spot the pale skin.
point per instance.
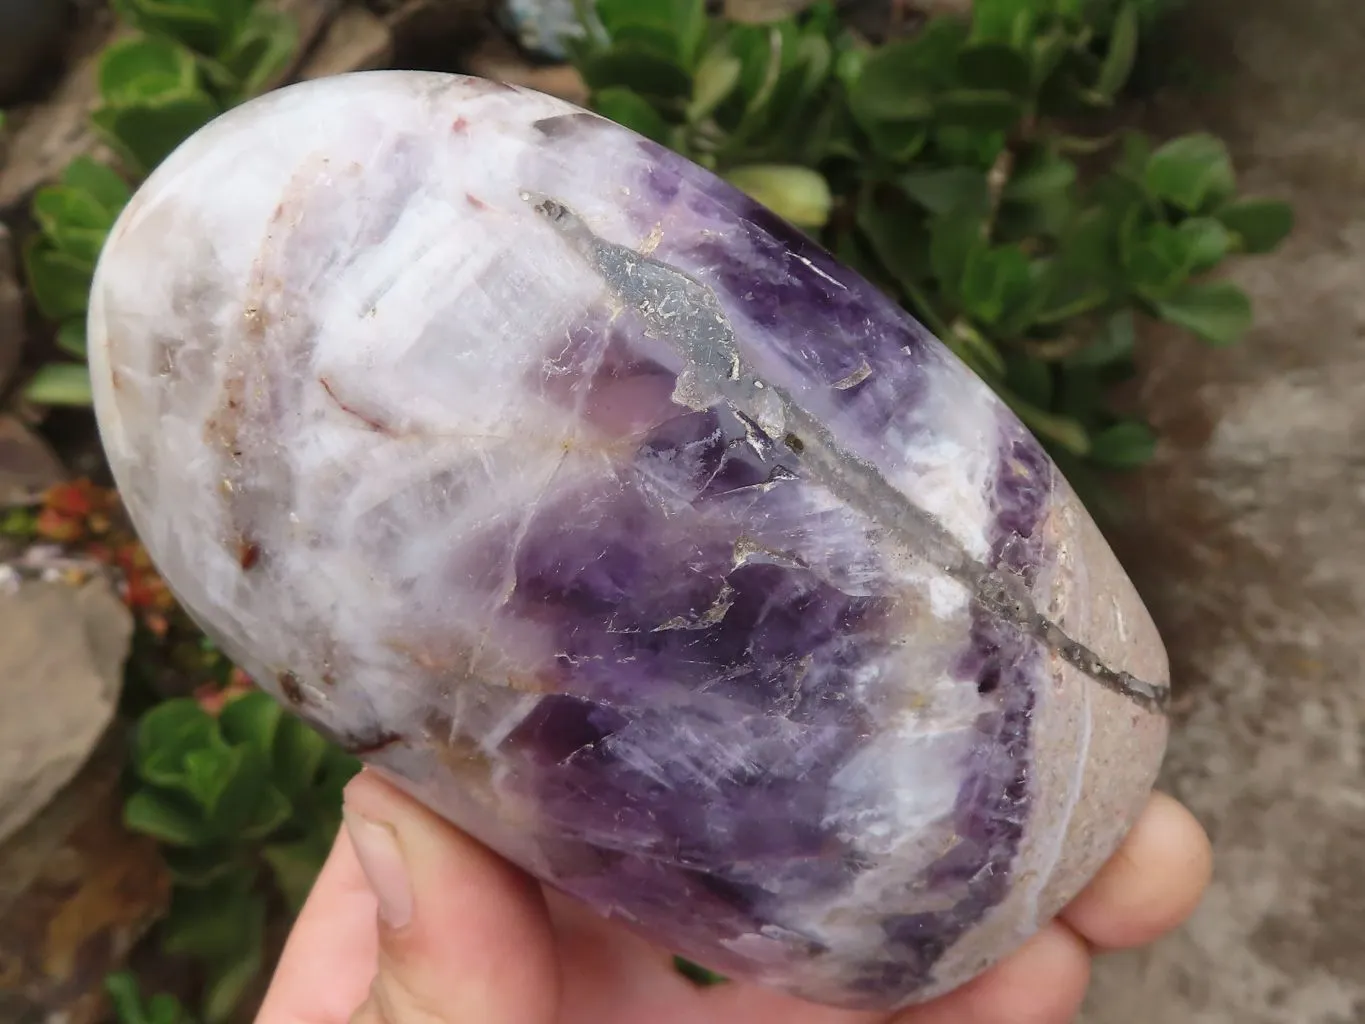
(413, 922)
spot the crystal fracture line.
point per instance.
(684, 313)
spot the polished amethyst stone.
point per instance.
(616, 521)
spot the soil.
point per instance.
(1249, 542)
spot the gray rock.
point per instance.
(27, 465)
(1251, 550)
(61, 664)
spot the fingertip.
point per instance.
(1042, 982)
(325, 969)
(467, 935)
(1151, 885)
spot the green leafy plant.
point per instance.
(193, 60)
(190, 61)
(73, 217)
(960, 169)
(152, 97)
(125, 994)
(245, 805)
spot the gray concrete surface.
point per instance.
(1251, 549)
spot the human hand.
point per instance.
(445, 932)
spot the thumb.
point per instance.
(463, 936)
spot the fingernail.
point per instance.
(376, 847)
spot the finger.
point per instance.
(1042, 982)
(1151, 885)
(463, 936)
(326, 967)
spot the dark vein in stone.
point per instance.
(685, 313)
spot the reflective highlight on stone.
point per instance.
(625, 528)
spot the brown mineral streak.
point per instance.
(455, 667)
(260, 313)
(373, 424)
(358, 746)
(290, 687)
(248, 554)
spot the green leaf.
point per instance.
(139, 70)
(1112, 344)
(125, 995)
(59, 281)
(229, 981)
(633, 111)
(816, 57)
(1123, 45)
(299, 753)
(639, 70)
(798, 194)
(948, 190)
(659, 41)
(953, 240)
(295, 865)
(715, 79)
(976, 350)
(100, 183)
(1192, 173)
(338, 768)
(1218, 311)
(164, 1008)
(995, 67)
(204, 865)
(1005, 21)
(681, 22)
(214, 923)
(974, 147)
(1156, 255)
(1067, 433)
(60, 384)
(205, 27)
(73, 220)
(271, 812)
(981, 109)
(896, 142)
(209, 773)
(261, 53)
(58, 208)
(1125, 445)
(158, 815)
(994, 282)
(145, 135)
(71, 337)
(1068, 295)
(166, 733)
(1046, 52)
(897, 81)
(1260, 224)
(253, 717)
(1039, 177)
(1208, 242)
(897, 232)
(1029, 378)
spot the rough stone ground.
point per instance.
(1251, 550)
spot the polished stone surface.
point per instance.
(624, 527)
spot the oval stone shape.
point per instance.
(617, 522)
